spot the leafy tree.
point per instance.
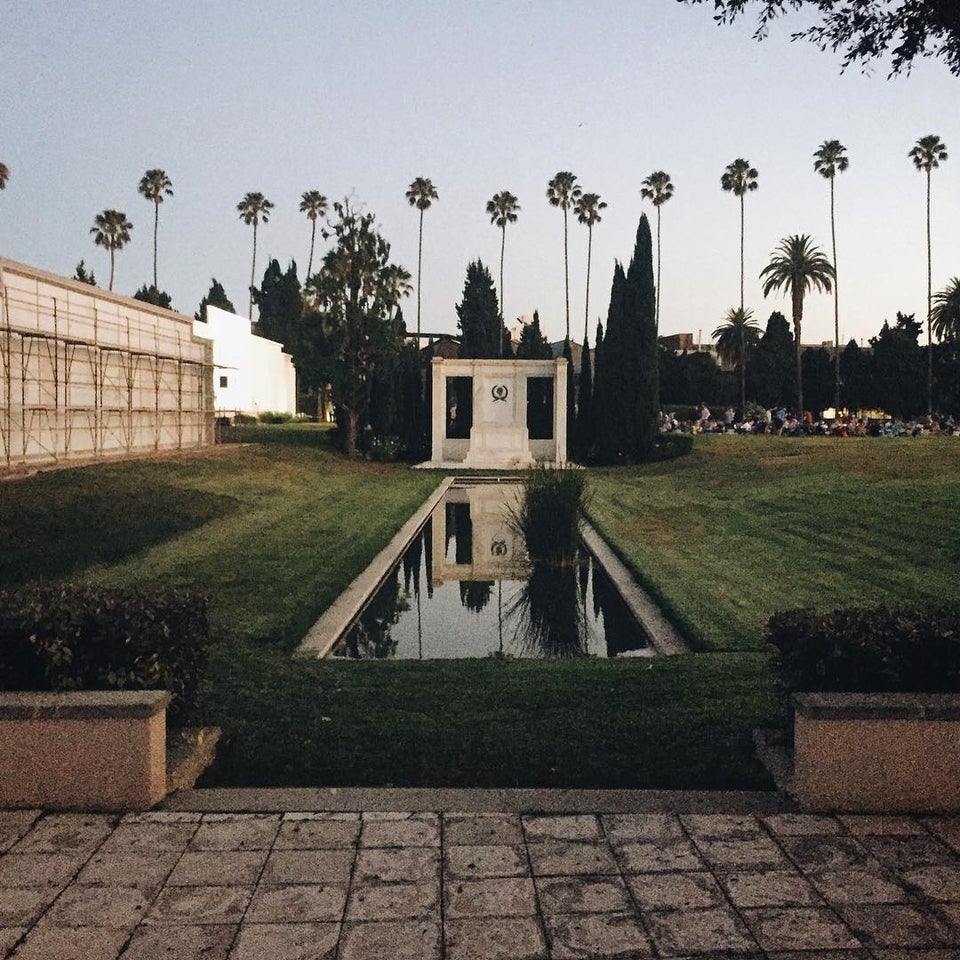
(866, 29)
(4, 176)
(150, 294)
(563, 191)
(829, 160)
(770, 365)
(896, 382)
(314, 204)
(946, 312)
(796, 265)
(80, 273)
(253, 209)
(739, 179)
(216, 297)
(502, 208)
(479, 318)
(154, 185)
(818, 381)
(280, 306)
(533, 344)
(421, 195)
(658, 188)
(111, 229)
(733, 336)
(927, 154)
(855, 377)
(587, 207)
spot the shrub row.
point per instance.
(87, 638)
(879, 649)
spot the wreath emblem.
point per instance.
(499, 392)
(498, 547)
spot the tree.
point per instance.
(927, 154)
(587, 207)
(159, 298)
(563, 191)
(280, 306)
(216, 297)
(111, 229)
(657, 188)
(586, 426)
(253, 209)
(817, 379)
(533, 344)
(4, 176)
(739, 179)
(80, 273)
(479, 317)
(154, 185)
(866, 29)
(421, 195)
(829, 160)
(502, 208)
(797, 266)
(733, 337)
(771, 372)
(896, 382)
(855, 373)
(314, 204)
(946, 312)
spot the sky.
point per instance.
(358, 99)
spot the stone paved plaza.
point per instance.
(477, 886)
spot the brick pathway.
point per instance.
(424, 886)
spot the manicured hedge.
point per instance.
(877, 650)
(87, 638)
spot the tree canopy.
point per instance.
(479, 317)
(216, 297)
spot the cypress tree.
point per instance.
(585, 426)
(479, 316)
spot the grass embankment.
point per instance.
(743, 527)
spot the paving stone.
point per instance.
(39, 869)
(818, 955)
(308, 866)
(405, 864)
(812, 853)
(98, 907)
(412, 830)
(623, 828)
(494, 897)
(583, 894)
(209, 942)
(947, 829)
(472, 862)
(908, 853)
(716, 826)
(872, 824)
(770, 888)
(146, 870)
(72, 943)
(229, 832)
(63, 833)
(22, 906)
(504, 938)
(210, 868)
(755, 852)
(916, 953)
(481, 829)
(699, 931)
(560, 858)
(320, 832)
(14, 824)
(675, 891)
(162, 816)
(858, 886)
(798, 928)
(934, 882)
(396, 939)
(801, 824)
(150, 836)
(598, 936)
(668, 856)
(188, 906)
(541, 827)
(9, 936)
(310, 903)
(895, 925)
(393, 901)
(286, 941)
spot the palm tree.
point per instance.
(111, 229)
(587, 208)
(4, 176)
(829, 160)
(739, 178)
(738, 330)
(253, 208)
(796, 265)
(946, 311)
(927, 154)
(314, 204)
(563, 191)
(154, 185)
(503, 209)
(421, 194)
(658, 188)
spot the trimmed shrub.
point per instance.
(875, 650)
(670, 445)
(271, 416)
(90, 638)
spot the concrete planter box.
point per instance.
(880, 752)
(84, 750)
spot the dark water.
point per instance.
(464, 588)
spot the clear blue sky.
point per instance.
(360, 98)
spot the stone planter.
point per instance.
(83, 750)
(879, 752)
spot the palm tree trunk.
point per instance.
(657, 319)
(836, 312)
(566, 271)
(253, 269)
(929, 307)
(586, 313)
(156, 222)
(419, 266)
(313, 236)
(503, 243)
(797, 321)
(110, 287)
(741, 251)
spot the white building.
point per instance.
(250, 374)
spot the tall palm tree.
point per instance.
(502, 208)
(659, 189)
(563, 191)
(829, 160)
(421, 194)
(314, 204)
(587, 208)
(4, 176)
(111, 229)
(946, 311)
(738, 329)
(739, 179)
(154, 185)
(796, 265)
(927, 154)
(254, 208)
